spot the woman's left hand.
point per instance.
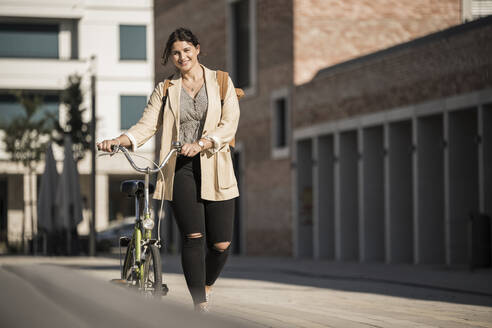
(190, 149)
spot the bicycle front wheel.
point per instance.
(152, 278)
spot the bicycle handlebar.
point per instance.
(176, 147)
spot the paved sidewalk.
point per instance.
(286, 292)
(477, 282)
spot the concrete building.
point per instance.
(41, 44)
(395, 157)
(280, 52)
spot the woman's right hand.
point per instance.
(106, 145)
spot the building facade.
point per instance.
(44, 42)
(392, 163)
(275, 50)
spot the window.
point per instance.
(133, 42)
(20, 40)
(132, 108)
(481, 8)
(280, 123)
(10, 108)
(241, 42)
(474, 9)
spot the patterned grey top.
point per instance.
(192, 115)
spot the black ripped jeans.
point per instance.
(212, 220)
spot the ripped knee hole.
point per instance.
(222, 246)
(194, 235)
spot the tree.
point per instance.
(26, 138)
(75, 126)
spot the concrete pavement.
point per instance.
(283, 292)
(49, 294)
(437, 277)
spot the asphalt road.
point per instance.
(53, 292)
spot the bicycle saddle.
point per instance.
(135, 188)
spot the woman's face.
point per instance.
(184, 55)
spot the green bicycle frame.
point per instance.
(136, 243)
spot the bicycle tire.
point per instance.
(153, 270)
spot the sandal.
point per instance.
(202, 307)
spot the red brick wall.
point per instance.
(268, 181)
(327, 32)
(266, 195)
(451, 64)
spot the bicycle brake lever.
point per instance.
(177, 145)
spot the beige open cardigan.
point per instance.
(218, 179)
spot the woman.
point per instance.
(200, 182)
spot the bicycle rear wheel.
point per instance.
(153, 271)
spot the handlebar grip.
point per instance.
(114, 148)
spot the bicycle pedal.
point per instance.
(124, 241)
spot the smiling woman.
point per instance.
(200, 182)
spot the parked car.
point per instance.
(109, 237)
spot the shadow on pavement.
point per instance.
(399, 281)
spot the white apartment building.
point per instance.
(42, 42)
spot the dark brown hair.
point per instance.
(180, 34)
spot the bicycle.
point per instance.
(142, 266)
